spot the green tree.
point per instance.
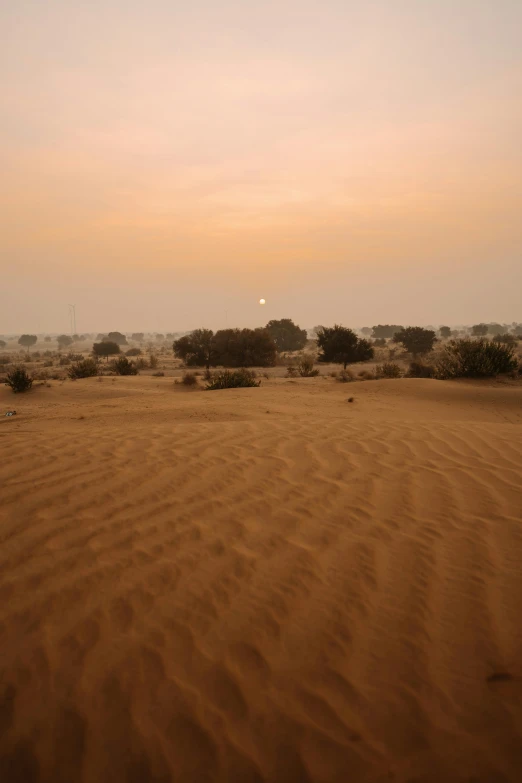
(416, 340)
(340, 345)
(105, 348)
(287, 335)
(385, 330)
(479, 330)
(445, 332)
(196, 349)
(27, 340)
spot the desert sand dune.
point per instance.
(266, 584)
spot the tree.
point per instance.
(105, 348)
(517, 329)
(2, 343)
(117, 337)
(27, 340)
(445, 332)
(366, 330)
(287, 335)
(160, 337)
(416, 340)
(479, 330)
(494, 328)
(385, 330)
(47, 339)
(340, 345)
(64, 341)
(196, 349)
(244, 348)
(137, 337)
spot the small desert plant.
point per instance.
(291, 371)
(233, 379)
(159, 374)
(153, 361)
(141, 364)
(64, 360)
(388, 370)
(189, 379)
(133, 352)
(19, 380)
(345, 376)
(86, 368)
(420, 370)
(478, 358)
(366, 375)
(122, 366)
(305, 367)
(506, 339)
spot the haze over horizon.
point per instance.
(165, 165)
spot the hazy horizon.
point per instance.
(165, 166)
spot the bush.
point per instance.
(133, 352)
(195, 349)
(388, 370)
(122, 366)
(233, 379)
(305, 367)
(345, 376)
(189, 379)
(420, 370)
(479, 330)
(379, 342)
(19, 380)
(159, 374)
(291, 371)
(479, 358)
(505, 339)
(86, 368)
(64, 360)
(153, 361)
(141, 364)
(366, 375)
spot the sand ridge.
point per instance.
(262, 584)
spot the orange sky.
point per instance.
(350, 161)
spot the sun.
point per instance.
(262, 301)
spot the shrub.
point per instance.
(64, 360)
(105, 348)
(122, 366)
(244, 348)
(153, 361)
(159, 374)
(291, 371)
(445, 332)
(479, 330)
(480, 358)
(195, 349)
(388, 370)
(137, 337)
(233, 379)
(286, 335)
(141, 364)
(117, 337)
(86, 368)
(420, 370)
(189, 379)
(340, 345)
(345, 376)
(379, 342)
(305, 367)
(133, 352)
(19, 380)
(506, 339)
(366, 375)
(416, 340)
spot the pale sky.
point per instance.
(165, 163)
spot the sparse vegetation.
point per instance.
(86, 368)
(305, 367)
(189, 379)
(506, 339)
(420, 370)
(481, 358)
(340, 345)
(123, 366)
(153, 360)
(19, 380)
(388, 370)
(345, 376)
(233, 379)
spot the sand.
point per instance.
(265, 584)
